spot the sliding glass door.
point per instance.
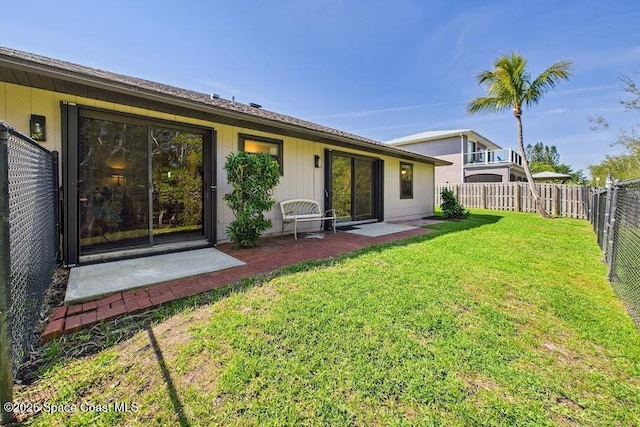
(138, 184)
(353, 186)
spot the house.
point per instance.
(142, 162)
(473, 157)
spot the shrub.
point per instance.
(253, 177)
(451, 207)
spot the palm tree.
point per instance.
(509, 85)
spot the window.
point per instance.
(260, 144)
(406, 180)
(471, 150)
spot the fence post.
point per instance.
(605, 223)
(517, 206)
(6, 370)
(611, 235)
(595, 213)
(483, 196)
(555, 201)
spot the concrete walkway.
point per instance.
(377, 229)
(271, 254)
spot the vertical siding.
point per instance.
(423, 182)
(225, 145)
(19, 109)
(3, 100)
(301, 179)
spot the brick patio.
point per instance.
(271, 254)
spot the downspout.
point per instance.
(462, 156)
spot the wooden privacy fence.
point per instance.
(571, 201)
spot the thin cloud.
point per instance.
(457, 123)
(367, 113)
(556, 111)
(402, 126)
(583, 90)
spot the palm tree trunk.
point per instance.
(525, 164)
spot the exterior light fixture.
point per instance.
(38, 128)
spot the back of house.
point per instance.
(142, 162)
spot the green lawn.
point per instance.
(500, 319)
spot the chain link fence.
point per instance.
(615, 216)
(29, 240)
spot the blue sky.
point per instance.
(380, 69)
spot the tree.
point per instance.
(451, 207)
(626, 165)
(621, 166)
(509, 86)
(542, 153)
(542, 158)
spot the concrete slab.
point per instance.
(419, 222)
(380, 229)
(92, 281)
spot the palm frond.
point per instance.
(491, 104)
(547, 80)
(484, 76)
(509, 83)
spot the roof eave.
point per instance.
(167, 98)
(467, 132)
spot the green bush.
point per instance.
(451, 207)
(253, 177)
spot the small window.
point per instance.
(406, 181)
(260, 144)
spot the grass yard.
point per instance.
(500, 319)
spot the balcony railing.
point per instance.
(493, 157)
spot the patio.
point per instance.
(271, 254)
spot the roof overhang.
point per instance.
(550, 175)
(440, 135)
(34, 71)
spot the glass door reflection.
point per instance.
(341, 186)
(138, 185)
(363, 177)
(113, 185)
(177, 170)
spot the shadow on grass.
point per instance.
(441, 229)
(171, 389)
(106, 335)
